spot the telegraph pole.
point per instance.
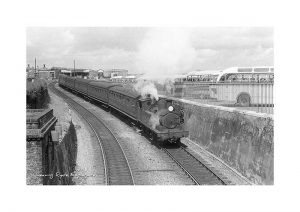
(74, 67)
(34, 67)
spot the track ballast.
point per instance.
(197, 171)
(117, 169)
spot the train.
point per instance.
(162, 120)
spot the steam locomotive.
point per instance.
(162, 119)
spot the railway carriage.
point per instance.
(61, 79)
(161, 119)
(99, 90)
(124, 99)
(66, 81)
(81, 85)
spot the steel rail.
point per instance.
(127, 162)
(199, 173)
(59, 93)
(108, 161)
(205, 166)
(182, 167)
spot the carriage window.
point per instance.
(244, 69)
(261, 69)
(222, 78)
(232, 77)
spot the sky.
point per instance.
(150, 50)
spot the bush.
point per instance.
(37, 96)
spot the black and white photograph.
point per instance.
(149, 106)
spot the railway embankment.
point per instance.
(77, 158)
(62, 159)
(243, 140)
(51, 161)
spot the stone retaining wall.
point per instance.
(244, 140)
(62, 159)
(34, 169)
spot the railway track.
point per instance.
(197, 171)
(116, 166)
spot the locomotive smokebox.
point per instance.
(170, 120)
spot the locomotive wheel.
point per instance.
(244, 100)
(150, 135)
(153, 137)
(155, 140)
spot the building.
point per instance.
(114, 72)
(43, 73)
(81, 73)
(122, 79)
(95, 75)
(58, 70)
(66, 72)
(46, 74)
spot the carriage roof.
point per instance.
(126, 90)
(103, 84)
(255, 69)
(82, 80)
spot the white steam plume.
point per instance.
(163, 54)
(154, 120)
(166, 52)
(146, 88)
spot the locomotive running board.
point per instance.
(123, 112)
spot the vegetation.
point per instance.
(37, 96)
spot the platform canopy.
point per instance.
(204, 72)
(66, 71)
